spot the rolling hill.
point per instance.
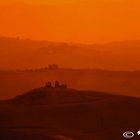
(13, 83)
(68, 114)
(21, 54)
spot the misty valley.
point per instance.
(67, 91)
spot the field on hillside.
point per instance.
(68, 114)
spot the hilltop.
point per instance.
(13, 83)
(44, 96)
(56, 95)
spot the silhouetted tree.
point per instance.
(57, 84)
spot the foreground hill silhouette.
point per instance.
(68, 114)
(45, 96)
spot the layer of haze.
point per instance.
(83, 21)
(71, 21)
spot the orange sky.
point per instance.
(82, 21)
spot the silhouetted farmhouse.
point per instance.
(57, 84)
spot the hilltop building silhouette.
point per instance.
(48, 85)
(57, 84)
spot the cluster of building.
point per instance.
(57, 84)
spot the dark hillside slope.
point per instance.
(80, 115)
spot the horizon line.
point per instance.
(67, 42)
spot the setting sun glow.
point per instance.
(71, 21)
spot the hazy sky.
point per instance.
(56, 1)
(85, 21)
(40, 1)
